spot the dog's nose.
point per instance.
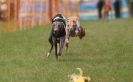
(55, 31)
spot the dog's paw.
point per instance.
(66, 41)
(48, 54)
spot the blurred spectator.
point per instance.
(117, 8)
(12, 11)
(100, 6)
(131, 7)
(3, 10)
(106, 8)
(0, 12)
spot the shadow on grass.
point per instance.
(73, 60)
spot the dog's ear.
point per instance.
(80, 71)
(87, 79)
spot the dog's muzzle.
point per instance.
(56, 33)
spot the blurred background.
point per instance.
(105, 53)
(21, 14)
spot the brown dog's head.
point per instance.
(79, 77)
(81, 33)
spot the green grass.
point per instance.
(105, 54)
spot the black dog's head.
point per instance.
(58, 29)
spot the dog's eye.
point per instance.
(53, 25)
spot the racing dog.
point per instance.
(57, 36)
(73, 29)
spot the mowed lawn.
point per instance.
(105, 54)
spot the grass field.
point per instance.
(105, 54)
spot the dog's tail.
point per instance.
(80, 71)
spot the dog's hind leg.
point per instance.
(66, 44)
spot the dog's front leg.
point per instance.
(56, 54)
(61, 45)
(66, 45)
(48, 54)
(51, 42)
